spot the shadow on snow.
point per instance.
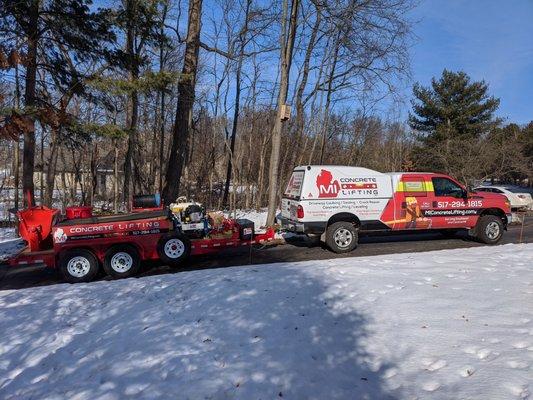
(247, 333)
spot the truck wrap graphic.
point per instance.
(327, 187)
(66, 233)
(346, 186)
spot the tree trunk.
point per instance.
(41, 173)
(186, 94)
(133, 113)
(161, 142)
(116, 178)
(242, 39)
(28, 166)
(286, 60)
(94, 173)
(261, 178)
(17, 172)
(328, 100)
(51, 169)
(301, 88)
(17, 143)
(161, 159)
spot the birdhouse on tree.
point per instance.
(285, 112)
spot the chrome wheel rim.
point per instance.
(492, 230)
(343, 238)
(78, 266)
(174, 248)
(121, 262)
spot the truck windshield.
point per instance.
(294, 187)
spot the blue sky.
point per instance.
(488, 39)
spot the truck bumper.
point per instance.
(302, 227)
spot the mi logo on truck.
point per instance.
(327, 187)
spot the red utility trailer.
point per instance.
(80, 244)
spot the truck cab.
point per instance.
(338, 203)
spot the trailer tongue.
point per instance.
(80, 244)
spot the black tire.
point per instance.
(122, 261)
(489, 229)
(341, 237)
(174, 256)
(78, 265)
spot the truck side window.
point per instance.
(446, 187)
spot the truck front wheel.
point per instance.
(489, 229)
(78, 265)
(341, 237)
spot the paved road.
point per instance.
(298, 250)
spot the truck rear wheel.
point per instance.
(78, 265)
(489, 229)
(173, 249)
(122, 261)
(341, 237)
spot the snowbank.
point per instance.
(259, 219)
(9, 244)
(437, 325)
(6, 234)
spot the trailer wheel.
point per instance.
(174, 248)
(78, 265)
(122, 261)
(489, 229)
(341, 237)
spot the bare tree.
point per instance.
(242, 39)
(286, 46)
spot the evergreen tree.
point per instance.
(453, 107)
(43, 36)
(453, 118)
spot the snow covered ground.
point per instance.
(454, 324)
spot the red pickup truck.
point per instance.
(339, 202)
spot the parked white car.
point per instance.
(519, 199)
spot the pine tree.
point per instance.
(453, 118)
(47, 34)
(453, 107)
